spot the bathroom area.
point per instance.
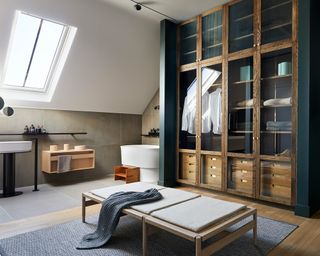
(115, 139)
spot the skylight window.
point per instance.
(36, 49)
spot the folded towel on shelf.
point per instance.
(245, 103)
(64, 163)
(278, 102)
(279, 126)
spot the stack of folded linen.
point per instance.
(279, 126)
(277, 102)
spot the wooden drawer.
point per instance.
(242, 174)
(189, 174)
(214, 161)
(274, 190)
(242, 164)
(188, 158)
(213, 179)
(244, 185)
(276, 179)
(276, 168)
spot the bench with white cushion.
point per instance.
(188, 215)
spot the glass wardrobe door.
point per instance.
(276, 101)
(188, 43)
(187, 109)
(212, 35)
(276, 18)
(241, 26)
(211, 108)
(211, 125)
(240, 106)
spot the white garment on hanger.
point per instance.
(189, 109)
(215, 110)
(211, 105)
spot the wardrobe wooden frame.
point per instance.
(256, 53)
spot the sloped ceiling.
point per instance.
(113, 65)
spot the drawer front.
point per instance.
(242, 174)
(213, 161)
(244, 185)
(276, 191)
(276, 179)
(189, 174)
(213, 179)
(188, 158)
(275, 168)
(243, 164)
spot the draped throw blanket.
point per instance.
(110, 214)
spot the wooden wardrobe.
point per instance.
(237, 99)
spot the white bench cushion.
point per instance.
(136, 186)
(171, 197)
(198, 213)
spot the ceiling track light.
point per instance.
(138, 6)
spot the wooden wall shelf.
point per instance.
(80, 160)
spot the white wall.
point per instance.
(113, 65)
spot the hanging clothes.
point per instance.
(189, 109)
(215, 110)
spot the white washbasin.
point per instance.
(15, 146)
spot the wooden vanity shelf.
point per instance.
(81, 160)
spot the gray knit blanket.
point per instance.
(110, 214)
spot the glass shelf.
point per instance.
(188, 43)
(276, 20)
(212, 35)
(241, 26)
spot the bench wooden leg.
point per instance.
(254, 228)
(198, 246)
(144, 237)
(83, 209)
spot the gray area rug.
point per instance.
(62, 240)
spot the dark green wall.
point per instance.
(308, 173)
(168, 111)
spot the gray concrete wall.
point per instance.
(106, 132)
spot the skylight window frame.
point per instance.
(54, 62)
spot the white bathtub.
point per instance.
(144, 156)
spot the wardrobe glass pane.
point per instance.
(188, 43)
(211, 172)
(211, 109)
(276, 101)
(276, 20)
(212, 35)
(240, 106)
(241, 25)
(240, 175)
(276, 180)
(187, 109)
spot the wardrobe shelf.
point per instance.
(276, 6)
(276, 26)
(211, 29)
(243, 18)
(277, 132)
(276, 77)
(277, 106)
(241, 37)
(243, 82)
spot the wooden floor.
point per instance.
(303, 241)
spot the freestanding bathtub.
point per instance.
(144, 156)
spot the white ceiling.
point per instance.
(177, 9)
